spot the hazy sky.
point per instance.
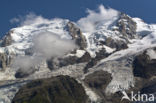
(71, 9)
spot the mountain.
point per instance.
(117, 56)
(60, 89)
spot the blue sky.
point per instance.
(71, 9)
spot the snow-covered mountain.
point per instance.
(111, 46)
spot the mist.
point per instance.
(49, 44)
(103, 14)
(46, 45)
(25, 63)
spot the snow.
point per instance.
(80, 53)
(22, 36)
(123, 76)
(116, 64)
(109, 50)
(100, 35)
(151, 53)
(92, 95)
(8, 91)
(7, 75)
(141, 25)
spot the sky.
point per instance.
(71, 9)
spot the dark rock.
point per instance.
(118, 44)
(143, 66)
(127, 27)
(6, 40)
(5, 60)
(98, 81)
(77, 35)
(55, 63)
(60, 89)
(99, 56)
(150, 88)
(85, 58)
(29, 51)
(23, 73)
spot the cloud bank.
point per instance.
(87, 23)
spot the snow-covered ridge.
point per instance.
(22, 36)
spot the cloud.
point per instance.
(29, 19)
(87, 24)
(14, 20)
(46, 45)
(25, 63)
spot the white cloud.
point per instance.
(29, 19)
(14, 20)
(49, 44)
(103, 14)
(25, 62)
(46, 45)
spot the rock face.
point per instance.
(93, 61)
(60, 89)
(149, 88)
(76, 34)
(144, 67)
(144, 70)
(5, 61)
(6, 40)
(118, 44)
(23, 74)
(98, 81)
(55, 63)
(127, 27)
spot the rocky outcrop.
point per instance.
(5, 60)
(126, 26)
(60, 89)
(149, 88)
(77, 35)
(23, 73)
(118, 44)
(93, 61)
(143, 66)
(6, 40)
(55, 63)
(98, 81)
